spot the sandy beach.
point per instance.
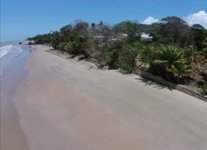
(62, 104)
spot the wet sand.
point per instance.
(12, 135)
(12, 73)
(68, 104)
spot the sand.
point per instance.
(12, 73)
(68, 104)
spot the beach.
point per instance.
(12, 61)
(55, 102)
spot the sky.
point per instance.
(24, 18)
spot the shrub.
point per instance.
(127, 58)
(100, 54)
(148, 54)
(166, 61)
(112, 59)
(204, 88)
(204, 51)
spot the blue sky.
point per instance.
(23, 18)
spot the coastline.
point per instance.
(12, 73)
(72, 104)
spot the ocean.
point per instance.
(12, 57)
(6, 47)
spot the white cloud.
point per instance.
(197, 18)
(150, 20)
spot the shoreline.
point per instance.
(13, 73)
(65, 105)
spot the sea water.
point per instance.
(8, 47)
(12, 56)
(5, 47)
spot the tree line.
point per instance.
(170, 48)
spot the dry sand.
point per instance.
(66, 105)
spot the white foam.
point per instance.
(4, 50)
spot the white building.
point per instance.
(146, 37)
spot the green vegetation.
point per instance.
(204, 89)
(166, 61)
(170, 49)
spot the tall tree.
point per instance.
(81, 27)
(198, 34)
(129, 28)
(174, 30)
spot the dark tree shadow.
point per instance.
(154, 84)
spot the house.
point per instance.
(146, 37)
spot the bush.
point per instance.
(127, 58)
(204, 51)
(100, 54)
(112, 59)
(148, 54)
(204, 88)
(166, 61)
(75, 44)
